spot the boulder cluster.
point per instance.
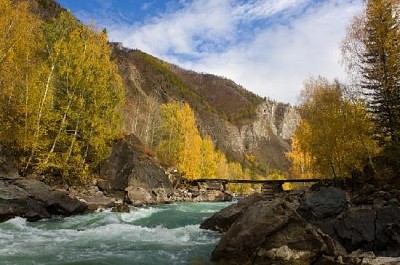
(130, 176)
(325, 226)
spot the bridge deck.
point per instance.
(250, 181)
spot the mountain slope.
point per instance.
(240, 122)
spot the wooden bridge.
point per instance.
(268, 189)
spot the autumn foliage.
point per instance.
(60, 93)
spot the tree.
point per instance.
(23, 106)
(209, 159)
(179, 140)
(87, 97)
(302, 161)
(372, 52)
(336, 133)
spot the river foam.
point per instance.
(168, 234)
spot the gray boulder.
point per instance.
(270, 232)
(370, 229)
(327, 203)
(139, 196)
(56, 202)
(130, 166)
(222, 220)
(356, 228)
(35, 200)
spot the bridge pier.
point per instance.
(270, 190)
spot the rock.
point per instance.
(94, 203)
(258, 235)
(222, 220)
(355, 228)
(8, 166)
(327, 203)
(211, 196)
(380, 261)
(139, 196)
(35, 200)
(129, 166)
(56, 202)
(370, 229)
(387, 231)
(92, 197)
(283, 253)
(15, 201)
(121, 208)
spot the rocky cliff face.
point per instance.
(238, 121)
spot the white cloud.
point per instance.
(242, 41)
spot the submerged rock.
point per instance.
(121, 208)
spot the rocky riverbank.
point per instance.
(130, 176)
(326, 226)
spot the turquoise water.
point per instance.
(167, 234)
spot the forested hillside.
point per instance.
(67, 94)
(75, 93)
(60, 93)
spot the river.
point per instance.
(165, 234)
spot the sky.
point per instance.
(270, 47)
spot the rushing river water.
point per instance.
(167, 234)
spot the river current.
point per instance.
(166, 234)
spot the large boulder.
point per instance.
(56, 202)
(92, 197)
(356, 228)
(15, 201)
(222, 220)
(129, 165)
(270, 232)
(370, 229)
(35, 200)
(326, 203)
(139, 196)
(387, 232)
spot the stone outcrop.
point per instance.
(130, 169)
(31, 198)
(222, 220)
(326, 227)
(369, 229)
(270, 232)
(35, 200)
(8, 166)
(324, 204)
(94, 198)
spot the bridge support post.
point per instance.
(270, 190)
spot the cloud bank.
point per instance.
(268, 46)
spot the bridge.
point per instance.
(268, 189)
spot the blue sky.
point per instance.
(268, 46)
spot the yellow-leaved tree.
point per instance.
(302, 160)
(209, 159)
(335, 136)
(87, 98)
(179, 140)
(21, 45)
